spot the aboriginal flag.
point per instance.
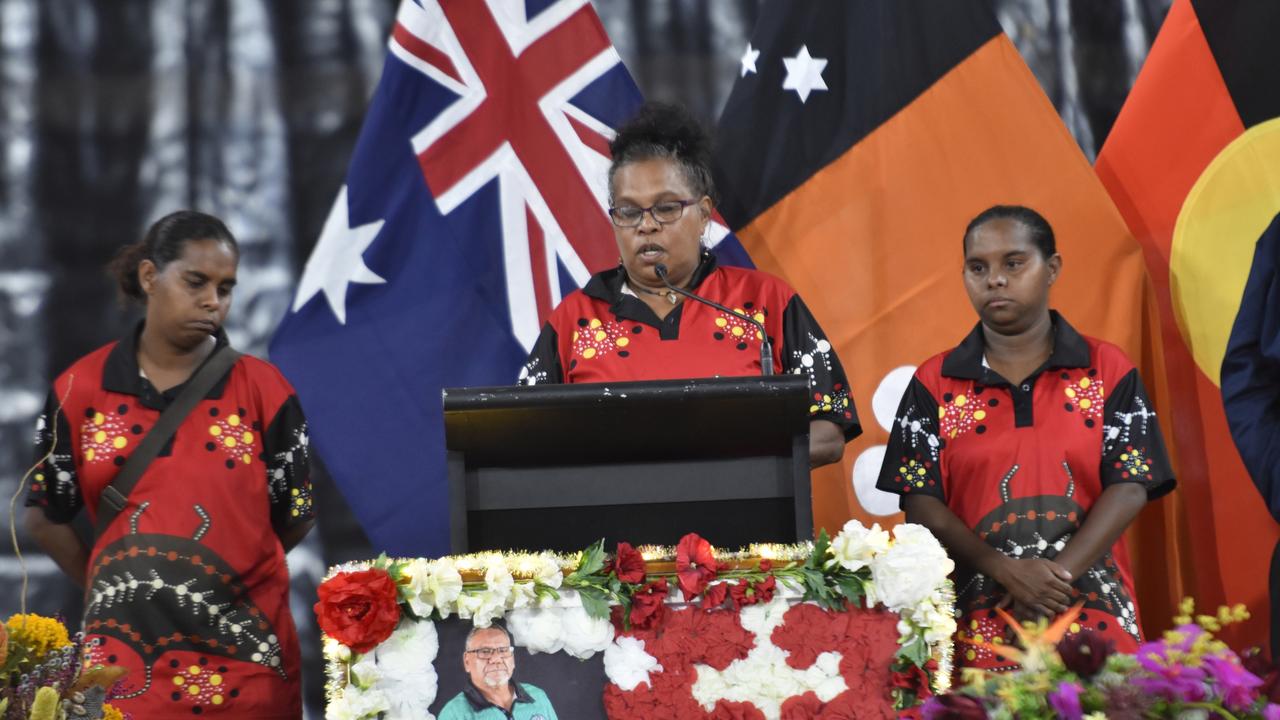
(1193, 164)
(858, 141)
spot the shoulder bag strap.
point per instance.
(116, 495)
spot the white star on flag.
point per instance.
(338, 260)
(804, 73)
(749, 60)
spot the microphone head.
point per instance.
(661, 270)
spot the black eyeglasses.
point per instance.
(487, 652)
(665, 212)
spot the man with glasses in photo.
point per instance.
(489, 661)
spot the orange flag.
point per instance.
(858, 141)
(1193, 164)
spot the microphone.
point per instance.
(766, 350)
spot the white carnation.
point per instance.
(856, 545)
(407, 655)
(584, 635)
(627, 664)
(356, 704)
(539, 631)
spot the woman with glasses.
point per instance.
(628, 324)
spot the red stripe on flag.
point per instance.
(538, 263)
(424, 51)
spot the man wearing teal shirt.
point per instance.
(490, 660)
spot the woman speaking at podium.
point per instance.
(637, 321)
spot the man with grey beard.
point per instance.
(489, 659)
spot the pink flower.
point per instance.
(1066, 701)
(1234, 684)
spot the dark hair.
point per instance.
(665, 131)
(163, 244)
(1039, 228)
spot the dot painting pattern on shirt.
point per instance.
(1085, 396)
(234, 436)
(958, 414)
(105, 437)
(596, 338)
(733, 328)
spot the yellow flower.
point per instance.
(37, 633)
(110, 713)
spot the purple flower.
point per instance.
(1065, 701)
(1235, 685)
(1168, 679)
(953, 706)
(1271, 712)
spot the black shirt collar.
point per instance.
(1069, 351)
(120, 373)
(607, 287)
(479, 702)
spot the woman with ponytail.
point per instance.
(185, 582)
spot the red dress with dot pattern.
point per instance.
(603, 334)
(188, 587)
(1022, 466)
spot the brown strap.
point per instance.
(115, 497)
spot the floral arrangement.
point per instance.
(1187, 673)
(42, 676)
(685, 631)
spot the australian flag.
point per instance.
(475, 199)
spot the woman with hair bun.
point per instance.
(626, 324)
(185, 583)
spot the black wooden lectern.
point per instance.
(560, 466)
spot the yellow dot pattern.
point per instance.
(1085, 395)
(201, 685)
(598, 338)
(232, 435)
(104, 434)
(738, 327)
(959, 414)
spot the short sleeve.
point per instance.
(543, 364)
(54, 486)
(806, 351)
(288, 456)
(912, 459)
(1132, 445)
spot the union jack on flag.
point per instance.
(475, 199)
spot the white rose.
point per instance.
(856, 545)
(626, 663)
(912, 568)
(584, 635)
(539, 631)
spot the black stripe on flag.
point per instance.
(881, 54)
(1242, 38)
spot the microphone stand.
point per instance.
(766, 349)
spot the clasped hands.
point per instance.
(1035, 587)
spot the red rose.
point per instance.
(628, 564)
(715, 596)
(648, 604)
(695, 565)
(358, 609)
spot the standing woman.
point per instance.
(186, 584)
(1027, 449)
(626, 324)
